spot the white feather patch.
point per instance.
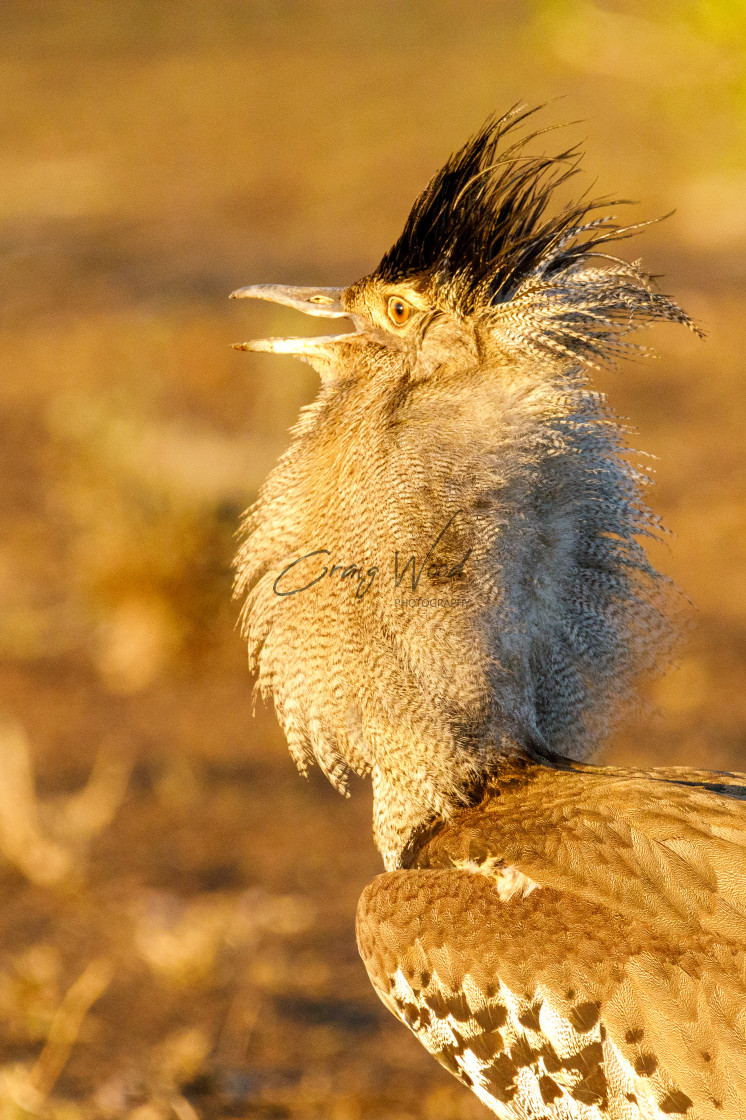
(509, 881)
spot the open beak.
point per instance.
(322, 302)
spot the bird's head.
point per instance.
(399, 328)
(481, 266)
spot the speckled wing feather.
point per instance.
(574, 946)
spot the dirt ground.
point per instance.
(176, 927)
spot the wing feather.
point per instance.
(576, 953)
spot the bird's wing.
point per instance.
(549, 1006)
(642, 844)
(597, 970)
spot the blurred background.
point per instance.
(176, 918)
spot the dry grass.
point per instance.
(176, 921)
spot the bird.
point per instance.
(445, 588)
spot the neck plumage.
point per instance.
(434, 580)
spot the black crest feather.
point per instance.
(480, 236)
(479, 223)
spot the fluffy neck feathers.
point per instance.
(533, 639)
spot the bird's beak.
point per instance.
(323, 302)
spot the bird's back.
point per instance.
(573, 946)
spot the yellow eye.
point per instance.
(399, 311)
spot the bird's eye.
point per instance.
(399, 311)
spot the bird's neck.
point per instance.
(510, 604)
